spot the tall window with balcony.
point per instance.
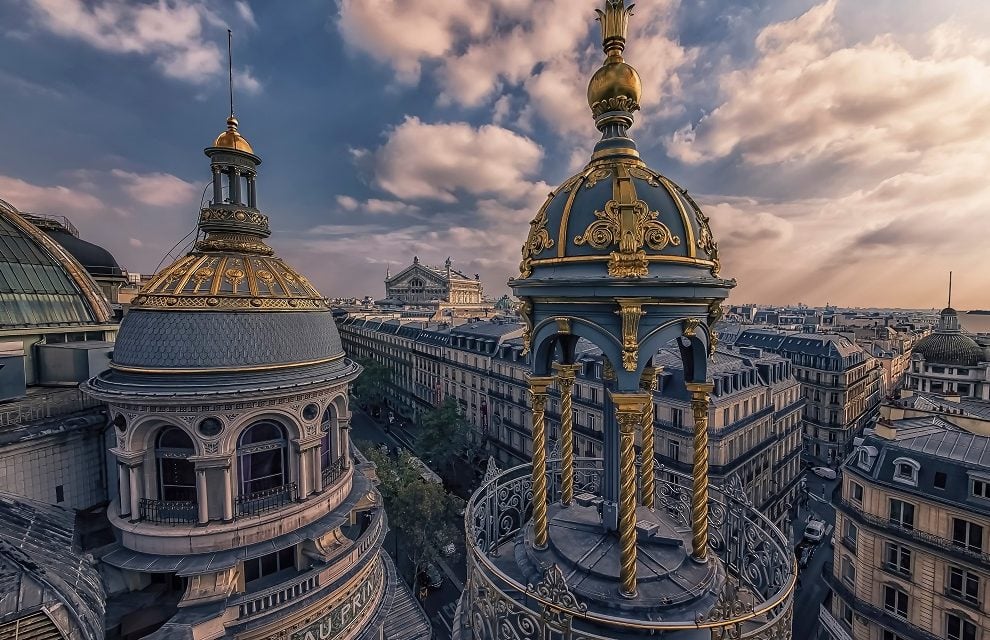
(176, 474)
(901, 513)
(967, 534)
(263, 467)
(895, 601)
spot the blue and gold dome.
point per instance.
(618, 218)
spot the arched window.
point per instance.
(326, 442)
(262, 458)
(176, 474)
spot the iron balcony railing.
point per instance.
(333, 472)
(756, 603)
(259, 502)
(892, 527)
(167, 511)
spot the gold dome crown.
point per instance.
(232, 139)
(616, 86)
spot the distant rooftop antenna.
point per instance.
(950, 289)
(230, 72)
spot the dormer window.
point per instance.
(980, 488)
(864, 459)
(906, 471)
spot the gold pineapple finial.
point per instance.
(614, 21)
(616, 86)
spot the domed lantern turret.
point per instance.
(622, 256)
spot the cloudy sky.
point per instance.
(841, 147)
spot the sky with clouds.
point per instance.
(841, 148)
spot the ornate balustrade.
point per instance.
(260, 502)
(756, 602)
(333, 472)
(932, 541)
(167, 511)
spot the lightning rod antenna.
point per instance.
(230, 72)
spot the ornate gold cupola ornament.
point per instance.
(616, 85)
(623, 258)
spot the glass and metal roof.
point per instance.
(40, 284)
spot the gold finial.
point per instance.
(616, 86)
(614, 20)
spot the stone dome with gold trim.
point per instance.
(617, 218)
(230, 304)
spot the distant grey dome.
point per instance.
(156, 340)
(954, 348)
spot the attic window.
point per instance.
(980, 488)
(906, 471)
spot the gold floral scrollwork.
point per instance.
(616, 103)
(553, 589)
(538, 241)
(691, 327)
(715, 314)
(525, 311)
(630, 310)
(596, 176)
(644, 174)
(630, 227)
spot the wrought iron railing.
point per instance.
(756, 603)
(167, 511)
(333, 472)
(259, 502)
(892, 527)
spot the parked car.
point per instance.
(815, 531)
(825, 472)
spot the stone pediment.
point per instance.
(428, 276)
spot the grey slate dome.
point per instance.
(948, 345)
(230, 304)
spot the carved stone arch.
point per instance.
(286, 418)
(141, 433)
(546, 334)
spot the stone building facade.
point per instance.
(950, 362)
(421, 284)
(840, 382)
(912, 532)
(241, 509)
(755, 421)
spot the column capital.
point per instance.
(630, 402)
(539, 384)
(699, 387)
(566, 370)
(648, 381)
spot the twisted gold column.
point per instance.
(699, 495)
(566, 374)
(629, 415)
(647, 475)
(538, 386)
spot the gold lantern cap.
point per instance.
(232, 139)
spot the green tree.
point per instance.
(444, 437)
(369, 388)
(422, 515)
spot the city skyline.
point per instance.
(444, 136)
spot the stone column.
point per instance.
(345, 440)
(646, 471)
(566, 374)
(124, 490)
(228, 494)
(304, 471)
(201, 496)
(252, 198)
(134, 489)
(217, 185)
(538, 386)
(629, 415)
(235, 186)
(318, 470)
(699, 494)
